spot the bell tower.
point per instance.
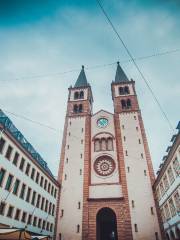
(75, 154)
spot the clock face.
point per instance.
(102, 122)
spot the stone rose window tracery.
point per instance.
(104, 166)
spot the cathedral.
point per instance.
(105, 171)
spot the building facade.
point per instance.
(105, 172)
(167, 189)
(28, 190)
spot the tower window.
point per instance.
(76, 95)
(152, 211)
(133, 204)
(126, 90)
(79, 205)
(145, 174)
(62, 212)
(80, 171)
(66, 160)
(81, 95)
(80, 108)
(124, 138)
(122, 126)
(121, 90)
(75, 108)
(142, 155)
(123, 104)
(78, 228)
(126, 153)
(81, 155)
(128, 169)
(135, 227)
(65, 177)
(82, 130)
(128, 103)
(81, 141)
(139, 141)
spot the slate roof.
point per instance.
(120, 75)
(15, 133)
(82, 80)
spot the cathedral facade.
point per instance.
(105, 171)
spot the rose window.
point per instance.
(104, 166)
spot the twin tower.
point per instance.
(105, 171)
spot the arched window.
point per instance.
(121, 90)
(126, 90)
(81, 95)
(75, 108)
(110, 144)
(97, 145)
(123, 104)
(80, 108)
(76, 95)
(78, 228)
(103, 144)
(128, 103)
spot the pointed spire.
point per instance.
(120, 75)
(82, 80)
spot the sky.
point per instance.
(44, 43)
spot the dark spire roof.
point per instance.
(120, 75)
(82, 80)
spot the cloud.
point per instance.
(69, 36)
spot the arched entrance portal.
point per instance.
(106, 225)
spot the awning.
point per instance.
(14, 234)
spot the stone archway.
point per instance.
(106, 225)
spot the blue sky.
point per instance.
(49, 37)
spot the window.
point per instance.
(28, 194)
(172, 207)
(145, 174)
(75, 108)
(162, 188)
(121, 90)
(81, 141)
(67, 146)
(80, 108)
(156, 236)
(135, 228)
(17, 214)
(21, 167)
(16, 158)
(29, 219)
(123, 104)
(78, 228)
(10, 211)
(137, 129)
(126, 90)
(81, 95)
(45, 184)
(79, 205)
(50, 207)
(9, 152)
(163, 215)
(2, 175)
(38, 200)
(97, 145)
(132, 203)
(80, 172)
(166, 183)
(82, 130)
(128, 103)
(170, 175)
(65, 177)
(52, 190)
(53, 209)
(49, 186)
(51, 227)
(103, 144)
(122, 126)
(66, 160)
(2, 144)
(142, 155)
(76, 95)
(152, 211)
(35, 221)
(9, 182)
(24, 216)
(55, 192)
(139, 141)
(47, 226)
(41, 182)
(2, 208)
(124, 138)
(69, 134)
(44, 223)
(134, 117)
(16, 186)
(46, 206)
(27, 169)
(42, 204)
(22, 191)
(60, 238)
(128, 169)
(39, 223)
(110, 144)
(167, 212)
(33, 198)
(37, 177)
(32, 173)
(176, 167)
(126, 153)
(62, 212)
(177, 201)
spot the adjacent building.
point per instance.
(105, 172)
(167, 188)
(28, 190)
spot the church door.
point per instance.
(106, 225)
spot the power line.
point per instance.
(135, 64)
(162, 53)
